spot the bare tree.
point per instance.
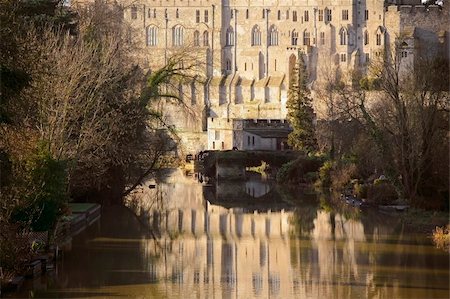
(403, 108)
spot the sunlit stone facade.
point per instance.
(247, 49)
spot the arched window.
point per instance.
(152, 36)
(228, 66)
(177, 36)
(229, 37)
(205, 38)
(177, 13)
(366, 37)
(134, 12)
(273, 36)
(256, 36)
(343, 37)
(294, 38)
(379, 33)
(306, 38)
(196, 38)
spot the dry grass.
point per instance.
(441, 237)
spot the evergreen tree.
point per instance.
(300, 110)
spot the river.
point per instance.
(247, 239)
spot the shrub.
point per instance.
(342, 176)
(297, 170)
(47, 199)
(441, 237)
(381, 193)
(360, 190)
(325, 173)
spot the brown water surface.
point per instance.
(243, 240)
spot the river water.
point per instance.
(247, 239)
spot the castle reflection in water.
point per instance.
(210, 251)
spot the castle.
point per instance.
(248, 49)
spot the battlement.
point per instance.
(408, 9)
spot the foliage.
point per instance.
(299, 170)
(441, 237)
(394, 121)
(383, 193)
(325, 173)
(342, 175)
(300, 111)
(14, 248)
(47, 196)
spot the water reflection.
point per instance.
(183, 246)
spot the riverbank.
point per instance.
(82, 216)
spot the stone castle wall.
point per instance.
(246, 49)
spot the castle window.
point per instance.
(343, 37)
(177, 13)
(149, 13)
(320, 15)
(205, 38)
(322, 38)
(287, 14)
(273, 37)
(378, 39)
(279, 14)
(306, 38)
(228, 65)
(404, 54)
(134, 12)
(246, 14)
(152, 36)
(294, 38)
(275, 64)
(245, 66)
(366, 37)
(263, 13)
(345, 14)
(177, 36)
(306, 16)
(329, 15)
(223, 145)
(294, 16)
(197, 16)
(206, 16)
(196, 38)
(253, 140)
(367, 58)
(193, 94)
(214, 145)
(229, 40)
(366, 15)
(231, 13)
(343, 57)
(154, 13)
(256, 36)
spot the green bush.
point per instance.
(284, 172)
(325, 173)
(46, 199)
(297, 171)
